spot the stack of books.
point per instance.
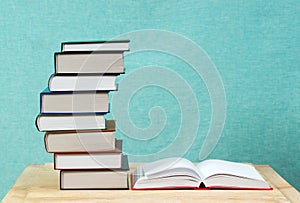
(72, 111)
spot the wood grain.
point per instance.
(40, 183)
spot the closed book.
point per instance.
(74, 102)
(87, 161)
(71, 141)
(55, 122)
(82, 83)
(116, 45)
(96, 179)
(89, 62)
(89, 141)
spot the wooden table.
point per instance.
(40, 183)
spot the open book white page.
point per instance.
(217, 167)
(167, 173)
(219, 173)
(171, 166)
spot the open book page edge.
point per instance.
(234, 182)
(235, 188)
(164, 165)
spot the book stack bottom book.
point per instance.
(72, 111)
(88, 159)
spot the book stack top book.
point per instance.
(72, 115)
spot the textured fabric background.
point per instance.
(254, 45)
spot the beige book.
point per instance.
(74, 102)
(89, 62)
(82, 142)
(72, 141)
(96, 179)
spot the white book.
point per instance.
(88, 161)
(54, 122)
(82, 83)
(121, 45)
(180, 173)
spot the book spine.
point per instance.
(50, 80)
(45, 142)
(37, 123)
(55, 63)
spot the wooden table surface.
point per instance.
(40, 183)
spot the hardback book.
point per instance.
(180, 173)
(88, 141)
(96, 179)
(73, 141)
(82, 83)
(116, 45)
(58, 122)
(88, 161)
(74, 102)
(89, 62)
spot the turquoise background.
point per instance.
(254, 45)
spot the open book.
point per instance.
(180, 173)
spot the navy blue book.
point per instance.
(74, 102)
